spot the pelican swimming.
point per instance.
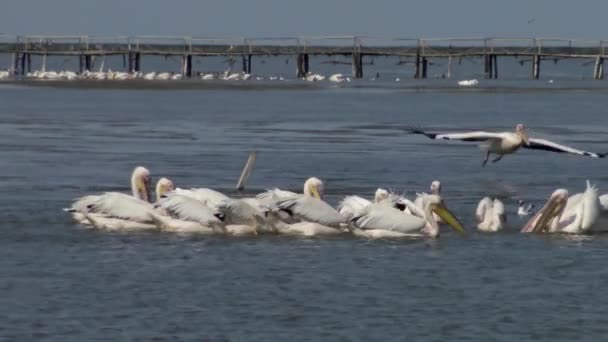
(507, 142)
(306, 214)
(578, 214)
(490, 215)
(383, 220)
(350, 206)
(524, 209)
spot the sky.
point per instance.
(582, 19)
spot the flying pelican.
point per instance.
(507, 142)
(490, 215)
(524, 209)
(381, 220)
(578, 214)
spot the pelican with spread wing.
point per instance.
(502, 143)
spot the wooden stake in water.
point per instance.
(246, 171)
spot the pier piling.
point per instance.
(302, 65)
(357, 65)
(536, 67)
(424, 67)
(598, 69)
(495, 66)
(417, 66)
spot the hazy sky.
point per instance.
(277, 18)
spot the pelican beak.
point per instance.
(550, 211)
(448, 218)
(315, 192)
(143, 187)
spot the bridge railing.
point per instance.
(328, 45)
(558, 46)
(273, 46)
(161, 44)
(217, 46)
(388, 46)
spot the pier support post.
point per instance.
(15, 63)
(13, 69)
(23, 58)
(536, 67)
(188, 66)
(417, 66)
(137, 61)
(87, 62)
(244, 57)
(131, 64)
(29, 62)
(495, 66)
(302, 65)
(424, 67)
(487, 69)
(598, 69)
(357, 65)
(249, 64)
(81, 64)
(449, 67)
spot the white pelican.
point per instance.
(208, 77)
(162, 76)
(314, 77)
(337, 78)
(309, 213)
(186, 215)
(4, 74)
(578, 214)
(524, 209)
(490, 215)
(468, 83)
(350, 206)
(140, 188)
(507, 142)
(383, 220)
(149, 76)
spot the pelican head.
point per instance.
(380, 195)
(163, 186)
(314, 187)
(520, 130)
(435, 187)
(547, 218)
(140, 183)
(435, 205)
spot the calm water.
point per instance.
(63, 282)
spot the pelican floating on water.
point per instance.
(579, 214)
(351, 206)
(490, 215)
(507, 142)
(383, 220)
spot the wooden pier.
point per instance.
(420, 51)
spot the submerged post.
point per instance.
(536, 67)
(246, 171)
(598, 69)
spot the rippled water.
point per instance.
(63, 282)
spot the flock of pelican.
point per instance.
(276, 211)
(386, 215)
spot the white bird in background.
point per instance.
(490, 215)
(504, 143)
(524, 209)
(351, 206)
(468, 83)
(579, 214)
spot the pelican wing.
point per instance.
(239, 211)
(274, 195)
(119, 205)
(351, 206)
(310, 209)
(385, 217)
(464, 136)
(208, 197)
(546, 145)
(188, 209)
